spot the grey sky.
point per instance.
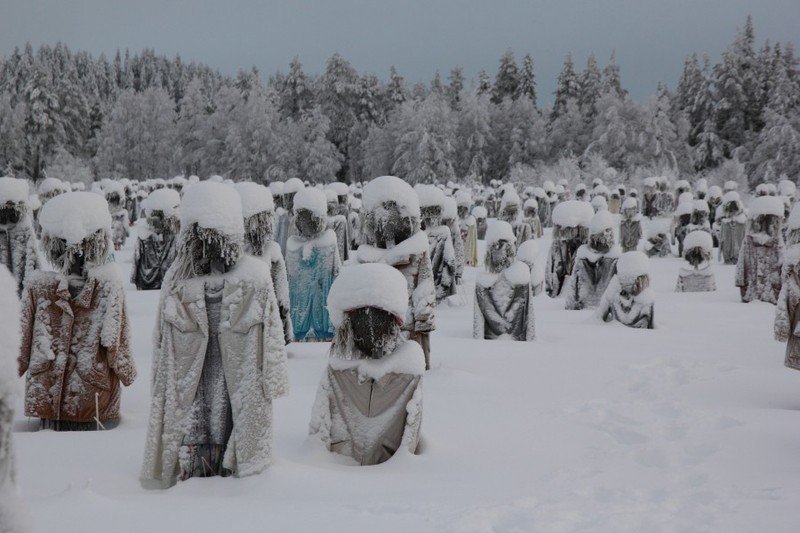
(651, 37)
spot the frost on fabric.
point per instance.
(367, 285)
(212, 206)
(74, 216)
(443, 261)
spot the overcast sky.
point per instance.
(651, 37)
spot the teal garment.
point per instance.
(310, 280)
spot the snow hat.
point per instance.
(480, 212)
(599, 203)
(499, 230)
(341, 189)
(368, 285)
(698, 239)
(685, 208)
(660, 226)
(573, 213)
(580, 187)
(549, 186)
(701, 185)
(194, 179)
(649, 182)
(216, 178)
(391, 188)
(528, 251)
(714, 192)
(731, 196)
(449, 208)
(730, 185)
(13, 190)
(531, 202)
(793, 222)
(34, 202)
(165, 200)
(766, 205)
(276, 188)
(49, 185)
(685, 197)
(212, 205)
(700, 205)
(631, 265)
(601, 221)
(510, 197)
(78, 186)
(331, 196)
(255, 198)
(312, 199)
(429, 196)
(682, 184)
(292, 186)
(354, 203)
(463, 198)
(787, 188)
(601, 190)
(73, 216)
(630, 203)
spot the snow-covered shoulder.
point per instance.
(408, 358)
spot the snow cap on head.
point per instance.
(714, 191)
(793, 222)
(731, 196)
(660, 226)
(682, 184)
(531, 202)
(479, 212)
(292, 185)
(698, 239)
(731, 185)
(528, 251)
(631, 265)
(787, 188)
(354, 203)
(165, 200)
(649, 182)
(463, 198)
(13, 190)
(685, 197)
(113, 186)
(212, 205)
(194, 179)
(368, 285)
(538, 192)
(34, 202)
(601, 221)
(391, 188)
(766, 205)
(429, 195)
(276, 188)
(51, 184)
(601, 189)
(510, 197)
(700, 205)
(255, 198)
(331, 196)
(341, 189)
(600, 203)
(549, 186)
(499, 230)
(449, 208)
(313, 200)
(216, 178)
(685, 208)
(630, 203)
(73, 216)
(701, 185)
(573, 213)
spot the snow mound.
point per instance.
(212, 205)
(450, 209)
(766, 205)
(73, 216)
(313, 200)
(630, 203)
(391, 188)
(499, 230)
(601, 221)
(631, 265)
(164, 200)
(276, 188)
(255, 198)
(13, 190)
(479, 212)
(698, 239)
(293, 185)
(368, 285)
(573, 213)
(429, 195)
(528, 251)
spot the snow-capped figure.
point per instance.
(510, 208)
(714, 199)
(683, 220)
(120, 225)
(629, 298)
(440, 243)
(599, 203)
(338, 223)
(787, 312)
(355, 222)
(699, 277)
(130, 202)
(658, 238)
(701, 188)
(75, 333)
(219, 357)
(481, 216)
(393, 235)
(258, 211)
(594, 265)
(503, 293)
(700, 217)
(681, 187)
(731, 226)
(650, 197)
(369, 401)
(18, 246)
(758, 269)
(545, 207)
(570, 230)
(630, 225)
(787, 189)
(450, 219)
(528, 253)
(664, 199)
(286, 227)
(156, 243)
(312, 263)
(615, 202)
(530, 227)
(467, 227)
(49, 188)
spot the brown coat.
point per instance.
(74, 348)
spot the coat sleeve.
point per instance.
(783, 318)
(274, 368)
(26, 323)
(115, 337)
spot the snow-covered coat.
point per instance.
(369, 409)
(254, 361)
(504, 305)
(311, 267)
(529, 228)
(339, 225)
(280, 284)
(19, 251)
(758, 269)
(459, 250)
(696, 280)
(283, 228)
(355, 223)
(636, 312)
(560, 263)
(120, 227)
(591, 275)
(658, 246)
(630, 233)
(469, 234)
(443, 261)
(74, 348)
(152, 257)
(787, 312)
(731, 235)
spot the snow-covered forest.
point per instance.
(140, 115)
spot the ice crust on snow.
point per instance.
(313, 200)
(499, 230)
(391, 188)
(698, 239)
(212, 205)
(73, 216)
(368, 285)
(573, 213)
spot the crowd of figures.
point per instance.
(245, 269)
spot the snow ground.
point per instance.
(690, 427)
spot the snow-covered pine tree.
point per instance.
(567, 89)
(506, 83)
(527, 80)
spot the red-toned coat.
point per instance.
(73, 348)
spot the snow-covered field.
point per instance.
(692, 426)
